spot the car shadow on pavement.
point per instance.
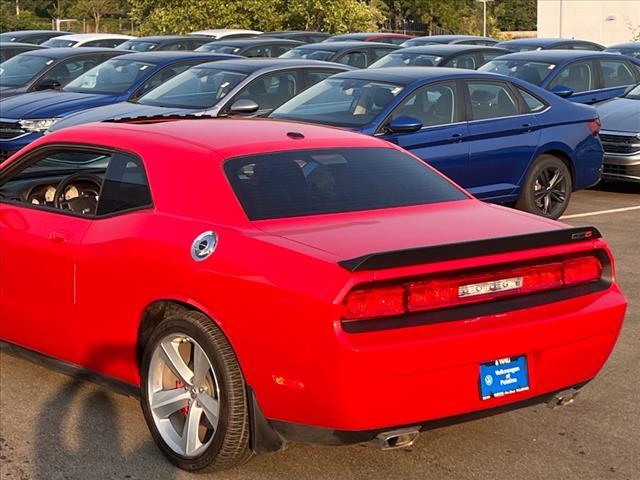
(78, 437)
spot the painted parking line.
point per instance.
(600, 212)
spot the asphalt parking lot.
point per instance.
(54, 427)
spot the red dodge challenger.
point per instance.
(258, 282)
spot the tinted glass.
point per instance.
(617, 73)
(138, 46)
(308, 53)
(271, 91)
(68, 70)
(407, 60)
(212, 47)
(264, 51)
(355, 59)
(491, 100)
(125, 186)
(194, 88)
(340, 102)
(585, 46)
(21, 69)
(311, 182)
(532, 72)
(630, 52)
(59, 43)
(113, 76)
(315, 76)
(467, 61)
(634, 93)
(533, 103)
(579, 77)
(161, 77)
(432, 105)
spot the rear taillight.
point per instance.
(594, 126)
(457, 290)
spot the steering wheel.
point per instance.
(86, 203)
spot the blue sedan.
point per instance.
(579, 76)
(123, 78)
(504, 140)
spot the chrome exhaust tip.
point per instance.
(563, 398)
(401, 438)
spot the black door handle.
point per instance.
(457, 136)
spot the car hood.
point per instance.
(620, 114)
(51, 104)
(117, 110)
(351, 235)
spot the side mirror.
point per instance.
(244, 106)
(48, 84)
(405, 125)
(562, 91)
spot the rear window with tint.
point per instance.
(312, 182)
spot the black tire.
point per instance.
(540, 195)
(230, 445)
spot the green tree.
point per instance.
(95, 10)
(514, 15)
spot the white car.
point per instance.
(219, 33)
(108, 40)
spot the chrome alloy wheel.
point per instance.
(550, 190)
(184, 395)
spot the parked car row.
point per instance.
(500, 138)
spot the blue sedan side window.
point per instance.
(491, 100)
(616, 73)
(432, 105)
(579, 77)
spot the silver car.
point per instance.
(620, 136)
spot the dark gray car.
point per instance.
(50, 68)
(253, 87)
(620, 136)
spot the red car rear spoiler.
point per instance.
(474, 248)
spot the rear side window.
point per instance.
(533, 104)
(125, 186)
(617, 73)
(312, 182)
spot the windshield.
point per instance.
(634, 93)
(416, 42)
(21, 69)
(532, 72)
(137, 46)
(213, 47)
(308, 53)
(341, 102)
(59, 43)
(313, 182)
(408, 60)
(194, 88)
(113, 76)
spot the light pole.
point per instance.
(484, 16)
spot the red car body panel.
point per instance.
(77, 288)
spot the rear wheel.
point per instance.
(547, 188)
(193, 394)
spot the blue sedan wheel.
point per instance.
(547, 189)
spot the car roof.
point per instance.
(450, 38)
(164, 38)
(370, 34)
(541, 41)
(338, 46)
(227, 137)
(625, 45)
(555, 56)
(250, 65)
(248, 42)
(22, 44)
(93, 36)
(407, 75)
(65, 52)
(168, 55)
(30, 32)
(214, 32)
(448, 49)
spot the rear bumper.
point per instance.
(292, 432)
(375, 381)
